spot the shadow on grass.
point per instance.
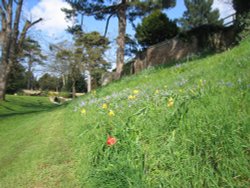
(31, 109)
(192, 57)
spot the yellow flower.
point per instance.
(111, 113)
(105, 106)
(170, 102)
(180, 90)
(94, 92)
(83, 111)
(165, 86)
(157, 91)
(135, 91)
(131, 97)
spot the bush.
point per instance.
(243, 24)
(65, 94)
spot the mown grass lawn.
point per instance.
(34, 151)
(180, 126)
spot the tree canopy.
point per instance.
(199, 12)
(155, 28)
(241, 6)
(11, 38)
(123, 10)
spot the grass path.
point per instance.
(35, 151)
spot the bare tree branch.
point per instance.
(9, 14)
(107, 25)
(17, 18)
(3, 18)
(4, 4)
(26, 27)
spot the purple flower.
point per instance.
(82, 103)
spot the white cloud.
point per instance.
(224, 6)
(54, 22)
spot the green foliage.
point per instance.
(17, 79)
(48, 82)
(65, 94)
(32, 50)
(99, 9)
(199, 12)
(155, 28)
(90, 49)
(241, 6)
(243, 25)
(123, 10)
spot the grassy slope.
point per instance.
(201, 141)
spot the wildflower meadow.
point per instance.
(183, 126)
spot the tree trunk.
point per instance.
(29, 75)
(73, 88)
(63, 81)
(121, 14)
(88, 82)
(11, 46)
(4, 71)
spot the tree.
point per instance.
(49, 82)
(123, 10)
(58, 65)
(241, 6)
(90, 48)
(17, 78)
(11, 38)
(199, 12)
(73, 66)
(155, 28)
(33, 54)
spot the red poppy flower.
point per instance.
(111, 140)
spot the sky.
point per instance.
(54, 23)
(52, 28)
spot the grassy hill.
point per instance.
(180, 126)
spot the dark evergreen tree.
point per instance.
(241, 6)
(155, 28)
(49, 82)
(199, 12)
(17, 78)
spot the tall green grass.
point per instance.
(202, 140)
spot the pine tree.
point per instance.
(123, 9)
(199, 12)
(155, 28)
(32, 54)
